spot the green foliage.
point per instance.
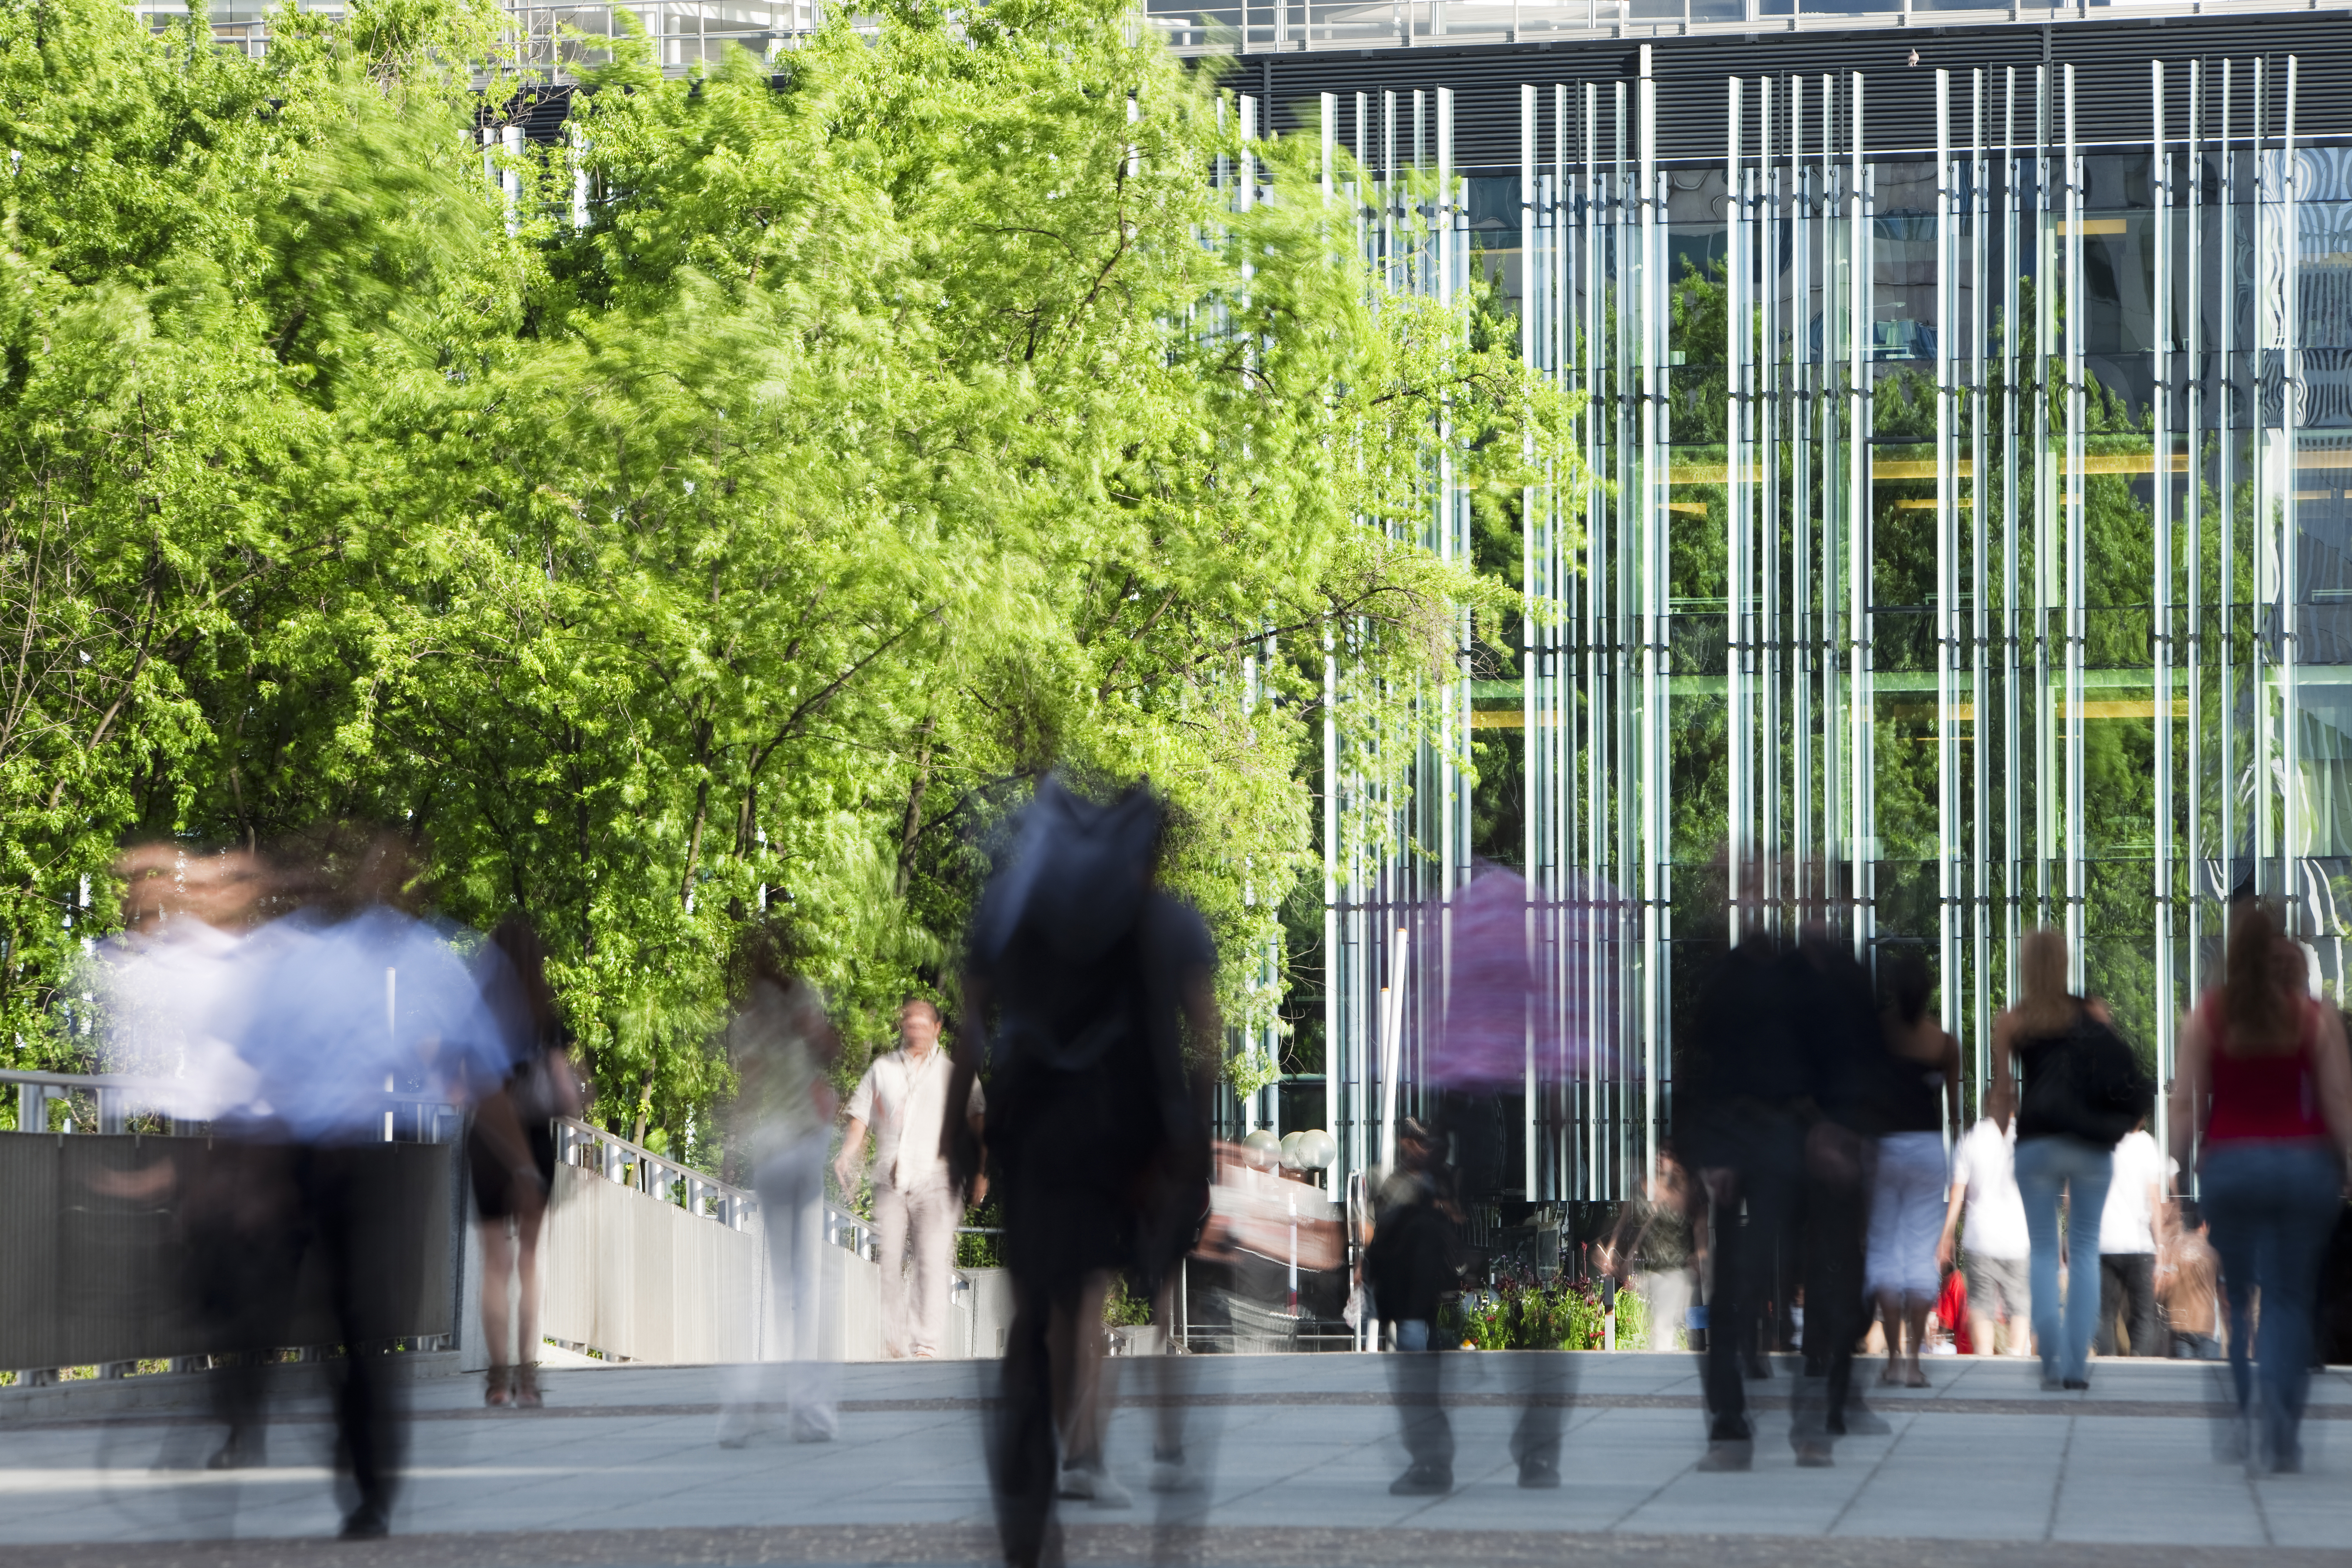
(1564, 1315)
(729, 569)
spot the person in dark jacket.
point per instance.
(1409, 1266)
(1743, 1089)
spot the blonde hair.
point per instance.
(2044, 1005)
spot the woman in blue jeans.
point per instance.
(2052, 1158)
(2263, 1083)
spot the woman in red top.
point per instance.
(2262, 1092)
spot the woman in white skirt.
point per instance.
(1917, 1098)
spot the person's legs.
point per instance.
(814, 1378)
(890, 1223)
(2231, 1196)
(790, 1186)
(2137, 1271)
(497, 1276)
(2088, 1171)
(1545, 1379)
(1729, 1308)
(2039, 1179)
(1415, 1376)
(1837, 1183)
(1077, 1374)
(2307, 1192)
(2009, 1289)
(2111, 1299)
(351, 1200)
(931, 1214)
(526, 1313)
(1022, 1454)
(1882, 1266)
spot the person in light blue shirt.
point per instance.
(345, 1002)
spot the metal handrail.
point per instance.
(121, 1095)
(585, 1146)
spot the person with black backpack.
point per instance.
(1084, 985)
(2082, 1089)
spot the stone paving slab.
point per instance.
(1301, 1449)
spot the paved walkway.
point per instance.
(622, 1469)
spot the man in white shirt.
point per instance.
(1984, 1182)
(903, 1098)
(2127, 1245)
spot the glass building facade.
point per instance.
(1960, 546)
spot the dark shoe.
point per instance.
(238, 1451)
(366, 1522)
(1757, 1369)
(2077, 1384)
(524, 1388)
(1423, 1480)
(1539, 1475)
(1736, 1454)
(1730, 1429)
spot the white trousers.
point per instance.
(914, 1235)
(790, 1329)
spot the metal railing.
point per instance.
(114, 1101)
(659, 1177)
(551, 42)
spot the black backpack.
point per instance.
(2086, 1083)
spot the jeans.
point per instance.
(2271, 1206)
(2044, 1167)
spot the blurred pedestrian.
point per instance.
(2187, 1284)
(1410, 1267)
(1993, 1241)
(2127, 1245)
(904, 1099)
(1476, 1060)
(510, 1153)
(1919, 1095)
(1835, 1025)
(780, 1043)
(1651, 1251)
(2262, 1090)
(1743, 1091)
(170, 983)
(352, 998)
(1083, 986)
(2080, 1086)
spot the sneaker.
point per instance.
(815, 1424)
(1539, 1475)
(1423, 1481)
(1077, 1484)
(1814, 1456)
(1109, 1493)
